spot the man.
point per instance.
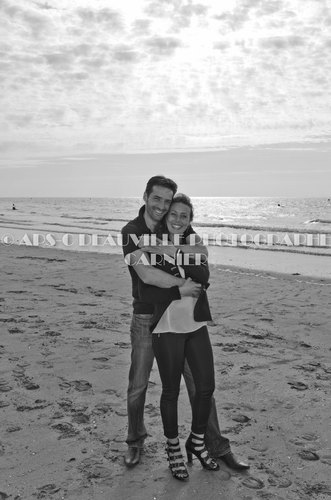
(158, 196)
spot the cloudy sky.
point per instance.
(234, 94)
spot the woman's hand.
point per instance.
(190, 289)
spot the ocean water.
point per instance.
(287, 224)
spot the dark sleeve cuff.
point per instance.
(155, 295)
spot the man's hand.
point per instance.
(190, 289)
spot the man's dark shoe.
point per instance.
(230, 460)
(132, 456)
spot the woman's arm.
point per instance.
(155, 295)
(149, 274)
(195, 265)
(197, 269)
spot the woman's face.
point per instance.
(178, 218)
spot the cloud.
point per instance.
(81, 57)
(26, 18)
(81, 49)
(163, 46)
(44, 6)
(270, 7)
(105, 18)
(236, 18)
(141, 26)
(125, 53)
(9, 9)
(14, 146)
(178, 12)
(165, 8)
(282, 42)
(80, 68)
(21, 120)
(222, 45)
(59, 60)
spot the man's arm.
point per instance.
(139, 261)
(150, 275)
(157, 295)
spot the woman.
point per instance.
(180, 331)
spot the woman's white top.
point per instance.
(178, 317)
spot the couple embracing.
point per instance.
(169, 271)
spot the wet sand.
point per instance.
(65, 351)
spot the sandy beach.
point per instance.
(65, 351)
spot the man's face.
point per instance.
(158, 202)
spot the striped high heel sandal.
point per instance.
(176, 461)
(195, 445)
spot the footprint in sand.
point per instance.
(4, 386)
(38, 405)
(70, 290)
(304, 344)
(96, 471)
(119, 439)
(122, 345)
(13, 428)
(97, 293)
(15, 330)
(67, 430)
(47, 490)
(8, 320)
(51, 333)
(152, 410)
(306, 368)
(78, 385)
(279, 481)
(309, 436)
(230, 406)
(253, 483)
(308, 455)
(261, 448)
(87, 323)
(326, 459)
(30, 386)
(82, 385)
(323, 376)
(81, 418)
(299, 386)
(121, 413)
(317, 489)
(110, 391)
(241, 418)
(103, 408)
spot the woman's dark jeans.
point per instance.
(171, 350)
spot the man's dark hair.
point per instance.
(160, 180)
(182, 198)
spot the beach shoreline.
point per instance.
(255, 259)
